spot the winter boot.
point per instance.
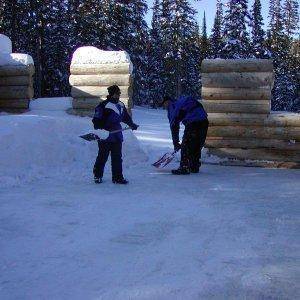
(195, 168)
(120, 180)
(97, 180)
(181, 171)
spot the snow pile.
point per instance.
(15, 59)
(37, 146)
(93, 55)
(5, 44)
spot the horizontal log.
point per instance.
(96, 91)
(14, 103)
(16, 92)
(271, 120)
(91, 103)
(263, 107)
(236, 65)
(100, 80)
(236, 93)
(257, 154)
(285, 133)
(21, 70)
(16, 81)
(98, 69)
(237, 80)
(216, 142)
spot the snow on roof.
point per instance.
(93, 55)
(15, 59)
(5, 44)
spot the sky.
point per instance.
(209, 6)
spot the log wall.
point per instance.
(16, 82)
(90, 78)
(237, 96)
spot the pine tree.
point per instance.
(155, 58)
(216, 39)
(258, 34)
(291, 20)
(235, 31)
(204, 40)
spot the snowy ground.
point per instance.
(226, 233)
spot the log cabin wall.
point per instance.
(92, 72)
(237, 97)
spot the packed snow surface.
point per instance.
(93, 55)
(15, 59)
(225, 233)
(5, 44)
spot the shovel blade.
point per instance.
(90, 137)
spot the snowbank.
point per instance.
(5, 44)
(36, 146)
(15, 59)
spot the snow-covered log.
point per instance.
(13, 70)
(236, 65)
(96, 91)
(98, 69)
(285, 133)
(238, 80)
(239, 106)
(100, 80)
(236, 93)
(217, 142)
(16, 92)
(257, 154)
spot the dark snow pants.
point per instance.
(192, 143)
(115, 150)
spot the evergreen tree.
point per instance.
(155, 62)
(216, 39)
(258, 34)
(291, 17)
(237, 43)
(204, 40)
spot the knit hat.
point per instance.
(114, 89)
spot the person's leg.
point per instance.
(101, 159)
(184, 168)
(116, 163)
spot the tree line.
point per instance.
(167, 55)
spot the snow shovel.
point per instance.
(165, 160)
(94, 137)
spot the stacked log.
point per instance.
(236, 95)
(92, 72)
(16, 82)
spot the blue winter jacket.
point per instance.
(186, 110)
(109, 115)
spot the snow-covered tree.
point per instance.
(257, 33)
(237, 43)
(216, 39)
(291, 17)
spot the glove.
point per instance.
(134, 126)
(177, 147)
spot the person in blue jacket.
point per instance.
(191, 113)
(108, 116)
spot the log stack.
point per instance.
(92, 72)
(236, 95)
(16, 82)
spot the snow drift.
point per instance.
(38, 146)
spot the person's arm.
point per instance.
(98, 119)
(128, 120)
